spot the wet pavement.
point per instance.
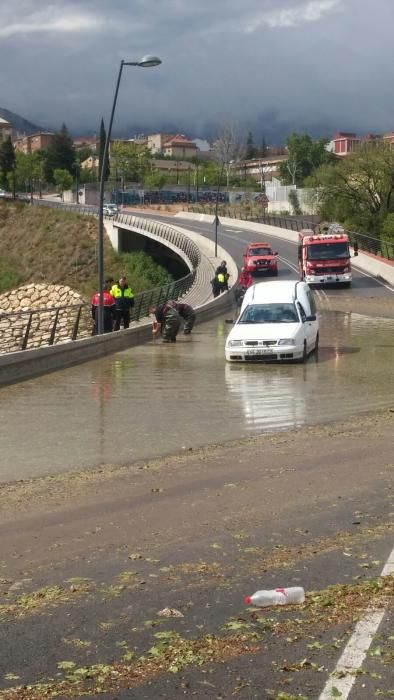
(158, 399)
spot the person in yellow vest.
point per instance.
(124, 302)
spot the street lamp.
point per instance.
(145, 62)
(216, 222)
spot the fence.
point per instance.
(25, 330)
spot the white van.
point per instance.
(277, 322)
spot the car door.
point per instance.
(307, 327)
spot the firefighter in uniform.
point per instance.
(167, 322)
(124, 300)
(109, 309)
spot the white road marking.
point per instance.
(366, 274)
(357, 647)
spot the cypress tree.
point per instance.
(60, 154)
(7, 159)
(103, 137)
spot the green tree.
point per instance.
(263, 148)
(251, 150)
(7, 160)
(60, 154)
(154, 181)
(130, 161)
(102, 139)
(359, 189)
(63, 179)
(305, 155)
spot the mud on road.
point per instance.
(90, 560)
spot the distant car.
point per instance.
(277, 322)
(3, 193)
(260, 258)
(110, 209)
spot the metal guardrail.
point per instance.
(25, 330)
(369, 244)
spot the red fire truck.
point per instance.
(324, 256)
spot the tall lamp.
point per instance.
(145, 62)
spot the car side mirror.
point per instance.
(276, 253)
(312, 317)
(230, 321)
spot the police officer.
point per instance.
(187, 313)
(222, 276)
(167, 322)
(109, 308)
(124, 300)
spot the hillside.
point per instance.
(19, 123)
(39, 244)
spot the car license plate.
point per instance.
(260, 351)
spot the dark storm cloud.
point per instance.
(304, 62)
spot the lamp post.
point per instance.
(216, 210)
(145, 62)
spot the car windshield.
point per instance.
(260, 251)
(269, 313)
(328, 251)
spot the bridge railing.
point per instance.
(25, 330)
(34, 328)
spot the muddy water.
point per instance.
(158, 399)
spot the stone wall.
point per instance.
(45, 301)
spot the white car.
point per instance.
(3, 193)
(110, 209)
(277, 322)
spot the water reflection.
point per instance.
(158, 399)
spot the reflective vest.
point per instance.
(221, 277)
(123, 296)
(118, 292)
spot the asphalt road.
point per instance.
(89, 558)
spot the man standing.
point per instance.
(222, 276)
(109, 308)
(167, 322)
(187, 313)
(124, 300)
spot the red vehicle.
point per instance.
(260, 258)
(325, 257)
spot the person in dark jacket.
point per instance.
(187, 313)
(167, 322)
(124, 300)
(109, 308)
(222, 276)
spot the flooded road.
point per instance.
(158, 399)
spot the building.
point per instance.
(344, 143)
(6, 129)
(155, 142)
(389, 138)
(179, 146)
(91, 163)
(172, 166)
(260, 169)
(85, 142)
(34, 142)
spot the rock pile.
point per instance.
(41, 310)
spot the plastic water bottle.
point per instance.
(279, 596)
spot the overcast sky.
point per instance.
(322, 64)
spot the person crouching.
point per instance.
(167, 322)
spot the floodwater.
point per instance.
(158, 399)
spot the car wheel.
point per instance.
(275, 273)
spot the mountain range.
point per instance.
(20, 124)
